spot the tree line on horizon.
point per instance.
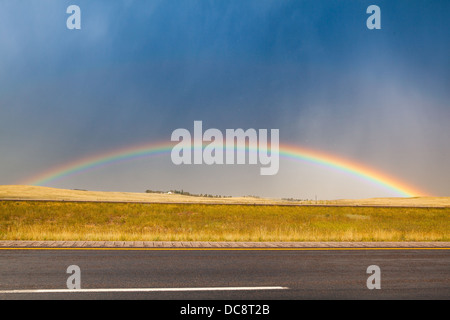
(185, 193)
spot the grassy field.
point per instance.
(53, 194)
(201, 222)
(44, 193)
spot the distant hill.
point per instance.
(14, 192)
(53, 194)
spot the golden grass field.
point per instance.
(27, 220)
(103, 221)
(44, 193)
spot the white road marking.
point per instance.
(141, 290)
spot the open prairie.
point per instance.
(116, 216)
(97, 221)
(52, 194)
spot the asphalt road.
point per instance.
(317, 274)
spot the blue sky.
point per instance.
(137, 70)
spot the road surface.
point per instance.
(226, 274)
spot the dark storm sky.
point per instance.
(137, 70)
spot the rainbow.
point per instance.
(287, 151)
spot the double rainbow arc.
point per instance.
(287, 151)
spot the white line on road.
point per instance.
(141, 290)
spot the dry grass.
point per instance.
(52, 194)
(201, 222)
(398, 202)
(44, 193)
